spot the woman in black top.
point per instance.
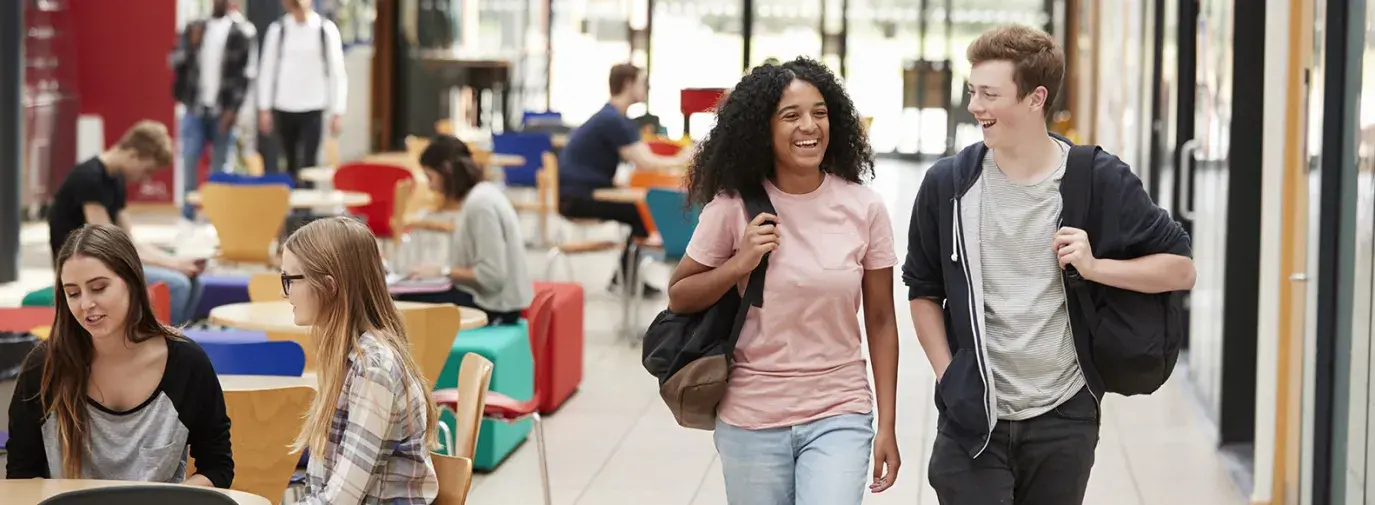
(113, 394)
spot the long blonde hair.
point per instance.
(342, 264)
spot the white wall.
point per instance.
(1272, 217)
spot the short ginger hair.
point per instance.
(148, 140)
(1036, 58)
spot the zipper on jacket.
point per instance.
(973, 320)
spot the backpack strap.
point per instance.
(281, 43)
(1077, 190)
(756, 202)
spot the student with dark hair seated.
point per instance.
(594, 150)
(486, 252)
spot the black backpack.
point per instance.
(691, 354)
(1135, 336)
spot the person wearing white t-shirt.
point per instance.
(303, 83)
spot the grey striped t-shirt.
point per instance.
(1030, 345)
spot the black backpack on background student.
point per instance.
(1136, 336)
(692, 354)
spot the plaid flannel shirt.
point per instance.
(376, 451)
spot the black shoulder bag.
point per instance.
(692, 354)
(1135, 336)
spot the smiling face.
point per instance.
(801, 127)
(305, 305)
(1005, 118)
(97, 297)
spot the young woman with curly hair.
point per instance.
(797, 422)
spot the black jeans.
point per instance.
(299, 133)
(462, 298)
(586, 207)
(1045, 460)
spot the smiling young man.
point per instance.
(1017, 389)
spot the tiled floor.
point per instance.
(615, 443)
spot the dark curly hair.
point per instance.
(738, 153)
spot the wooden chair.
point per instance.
(548, 189)
(474, 378)
(455, 478)
(431, 330)
(246, 232)
(266, 421)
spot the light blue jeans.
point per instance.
(823, 462)
(186, 292)
(198, 130)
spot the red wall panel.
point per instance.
(123, 74)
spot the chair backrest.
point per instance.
(252, 180)
(531, 146)
(694, 100)
(541, 324)
(547, 183)
(674, 220)
(379, 182)
(265, 287)
(160, 297)
(265, 423)
(532, 118)
(141, 494)
(246, 232)
(401, 202)
(274, 357)
(432, 330)
(455, 478)
(474, 377)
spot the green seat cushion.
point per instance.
(513, 374)
(40, 298)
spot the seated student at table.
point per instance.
(595, 149)
(94, 193)
(486, 252)
(113, 394)
(372, 424)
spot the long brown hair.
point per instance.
(67, 360)
(341, 263)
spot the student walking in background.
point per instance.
(303, 88)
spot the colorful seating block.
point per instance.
(222, 290)
(513, 374)
(42, 297)
(564, 347)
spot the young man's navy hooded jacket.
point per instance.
(943, 264)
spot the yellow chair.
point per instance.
(455, 478)
(265, 423)
(246, 232)
(431, 329)
(466, 402)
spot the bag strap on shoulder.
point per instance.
(1077, 188)
(756, 202)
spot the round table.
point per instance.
(318, 175)
(33, 491)
(506, 160)
(622, 195)
(311, 198)
(275, 317)
(252, 382)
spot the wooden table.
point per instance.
(276, 317)
(318, 175)
(252, 382)
(622, 195)
(311, 198)
(34, 491)
(506, 160)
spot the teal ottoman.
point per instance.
(513, 374)
(40, 298)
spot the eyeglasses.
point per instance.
(286, 282)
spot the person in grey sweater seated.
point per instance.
(486, 252)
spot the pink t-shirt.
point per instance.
(799, 356)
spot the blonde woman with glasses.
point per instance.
(372, 425)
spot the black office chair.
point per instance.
(141, 495)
